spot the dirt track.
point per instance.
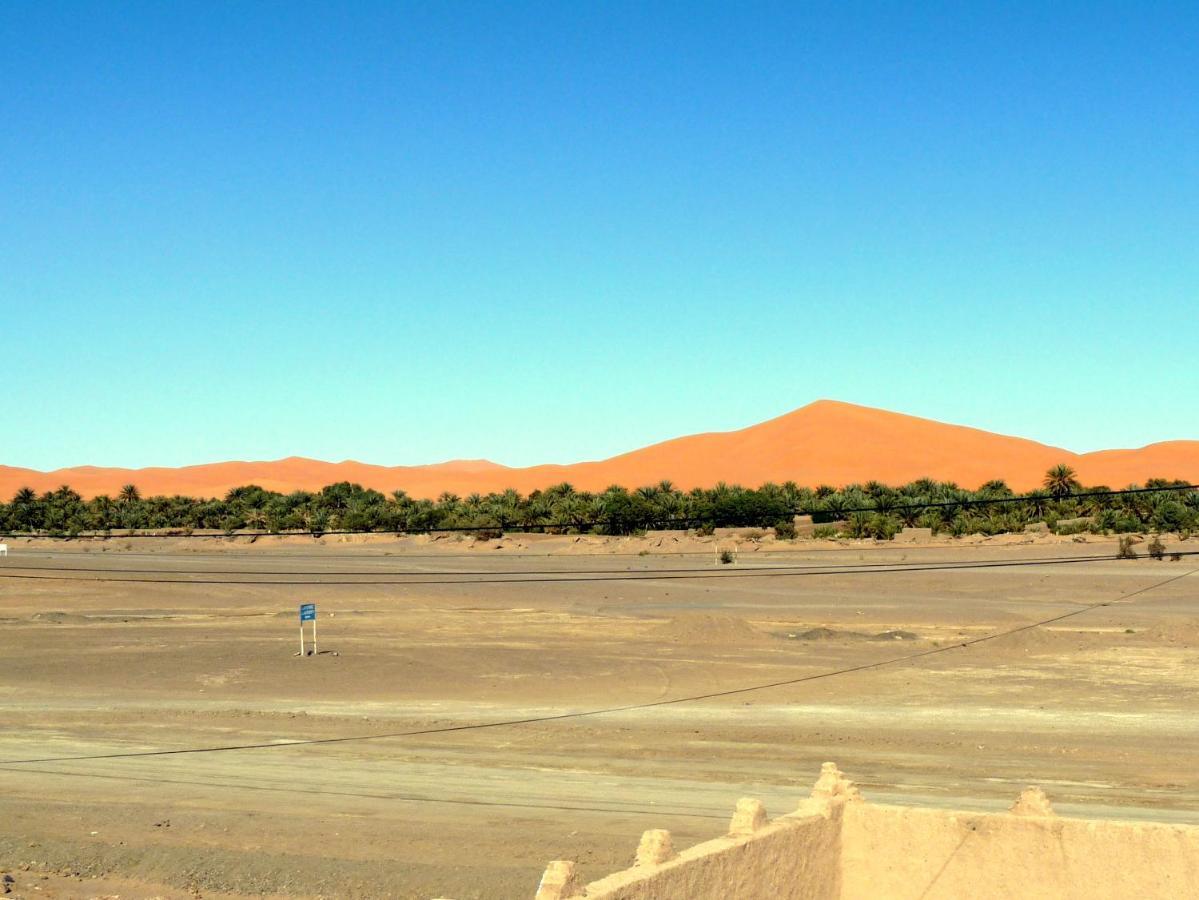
(1101, 709)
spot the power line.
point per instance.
(647, 575)
(616, 806)
(328, 553)
(364, 573)
(632, 707)
(645, 522)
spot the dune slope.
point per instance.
(826, 442)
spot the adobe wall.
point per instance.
(837, 847)
(915, 853)
(795, 857)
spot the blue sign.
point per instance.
(307, 612)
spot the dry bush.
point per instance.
(785, 531)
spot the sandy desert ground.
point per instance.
(1101, 709)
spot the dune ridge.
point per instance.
(826, 442)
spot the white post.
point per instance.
(315, 652)
(301, 639)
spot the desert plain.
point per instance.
(110, 647)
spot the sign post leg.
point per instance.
(301, 639)
(315, 652)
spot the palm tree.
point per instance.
(129, 494)
(1060, 481)
(996, 488)
(103, 511)
(25, 509)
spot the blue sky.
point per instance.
(544, 232)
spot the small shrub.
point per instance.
(824, 532)
(1075, 526)
(726, 557)
(961, 525)
(785, 531)
(1126, 550)
(705, 530)
(1125, 523)
(753, 534)
(861, 525)
(488, 534)
(885, 527)
(1175, 557)
(1157, 550)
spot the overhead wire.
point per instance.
(429, 573)
(631, 707)
(657, 523)
(369, 580)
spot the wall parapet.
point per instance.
(835, 846)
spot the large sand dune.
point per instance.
(826, 442)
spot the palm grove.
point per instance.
(867, 510)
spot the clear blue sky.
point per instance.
(543, 232)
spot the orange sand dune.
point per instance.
(826, 442)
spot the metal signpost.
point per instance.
(307, 614)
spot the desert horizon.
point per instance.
(446, 441)
(824, 442)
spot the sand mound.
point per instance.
(830, 634)
(896, 635)
(823, 442)
(58, 617)
(707, 628)
(1046, 640)
(1182, 634)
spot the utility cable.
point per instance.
(631, 707)
(647, 575)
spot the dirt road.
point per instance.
(1100, 709)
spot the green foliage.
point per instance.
(859, 525)
(878, 510)
(785, 531)
(885, 526)
(1060, 481)
(726, 557)
(1072, 527)
(1126, 550)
